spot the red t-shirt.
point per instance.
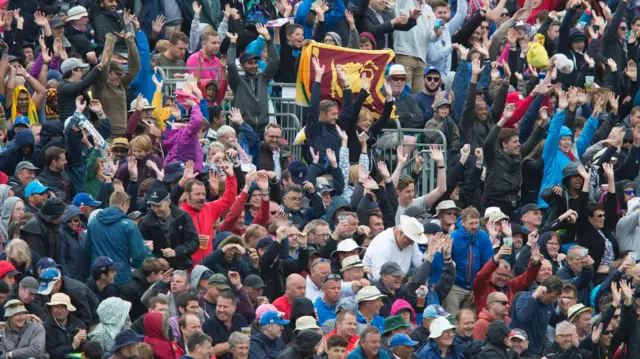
(352, 341)
(283, 305)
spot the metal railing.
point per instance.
(171, 84)
(428, 169)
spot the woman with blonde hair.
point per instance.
(140, 154)
(21, 256)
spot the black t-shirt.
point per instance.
(219, 332)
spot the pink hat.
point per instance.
(263, 308)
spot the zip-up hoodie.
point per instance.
(470, 252)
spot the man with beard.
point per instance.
(54, 175)
(206, 57)
(426, 97)
(252, 88)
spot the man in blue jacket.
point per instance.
(268, 343)
(114, 235)
(533, 310)
(471, 249)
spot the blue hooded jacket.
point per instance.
(554, 159)
(470, 252)
(532, 316)
(114, 235)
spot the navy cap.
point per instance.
(298, 171)
(529, 207)
(102, 264)
(432, 228)
(46, 262)
(254, 281)
(431, 69)
(85, 199)
(158, 196)
(246, 56)
(264, 242)
(173, 171)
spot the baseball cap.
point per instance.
(103, 263)
(22, 121)
(25, 165)
(85, 199)
(401, 339)
(519, 334)
(7, 268)
(134, 215)
(298, 171)
(439, 326)
(35, 187)
(529, 207)
(158, 196)
(413, 229)
(46, 262)
(254, 281)
(246, 56)
(31, 284)
(416, 212)
(13, 58)
(219, 280)
(55, 22)
(322, 188)
(431, 69)
(48, 279)
(72, 63)
(435, 311)
(392, 268)
(273, 318)
(432, 228)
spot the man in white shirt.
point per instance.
(320, 269)
(396, 244)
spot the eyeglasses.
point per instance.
(616, 316)
(294, 199)
(503, 302)
(323, 235)
(432, 78)
(607, 332)
(601, 215)
(630, 192)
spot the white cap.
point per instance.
(346, 245)
(368, 293)
(413, 229)
(147, 106)
(438, 326)
(489, 210)
(76, 13)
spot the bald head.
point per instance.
(295, 287)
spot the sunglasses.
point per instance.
(432, 78)
(503, 302)
(630, 192)
(452, 213)
(398, 79)
(607, 332)
(333, 276)
(623, 28)
(599, 216)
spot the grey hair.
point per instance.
(237, 338)
(574, 251)
(564, 325)
(224, 129)
(311, 227)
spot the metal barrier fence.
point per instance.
(171, 84)
(292, 117)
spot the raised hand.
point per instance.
(437, 155)
(95, 106)
(465, 151)
(596, 333)
(196, 9)
(158, 24)
(236, 116)
(476, 68)
(383, 170)
(632, 70)
(563, 100)
(612, 65)
(132, 166)
(262, 31)
(366, 82)
(233, 37)
(331, 157)
(370, 184)
(348, 15)
(40, 19)
(319, 70)
(80, 104)
(342, 75)
(388, 91)
(314, 155)
(608, 170)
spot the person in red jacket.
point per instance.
(495, 276)
(154, 326)
(205, 214)
(234, 221)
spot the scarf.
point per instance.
(32, 112)
(50, 113)
(570, 155)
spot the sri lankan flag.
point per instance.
(355, 62)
